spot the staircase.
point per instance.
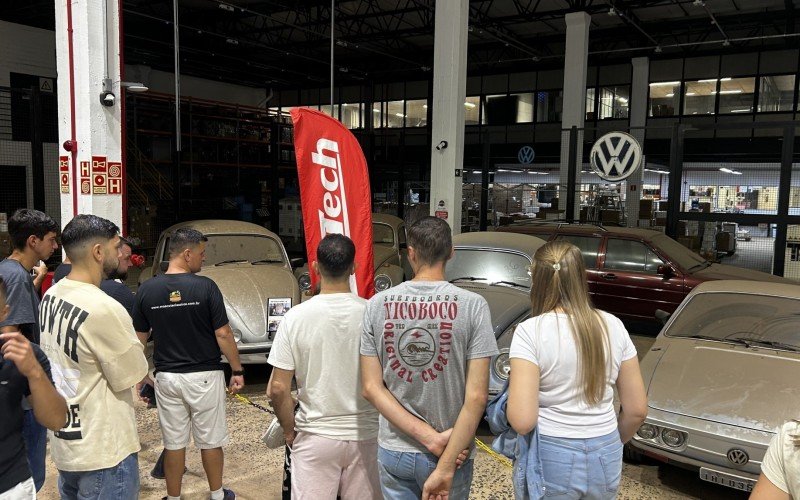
(150, 198)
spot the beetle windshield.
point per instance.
(728, 316)
(492, 266)
(242, 247)
(382, 234)
(677, 253)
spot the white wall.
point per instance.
(27, 50)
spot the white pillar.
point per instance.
(84, 60)
(638, 116)
(449, 94)
(576, 60)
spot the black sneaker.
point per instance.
(229, 494)
(158, 468)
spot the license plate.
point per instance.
(729, 480)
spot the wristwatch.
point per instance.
(238, 373)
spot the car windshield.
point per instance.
(242, 247)
(678, 253)
(729, 316)
(492, 266)
(382, 234)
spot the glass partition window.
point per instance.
(736, 95)
(591, 100)
(665, 98)
(326, 108)
(549, 104)
(417, 113)
(776, 93)
(525, 107)
(353, 115)
(472, 110)
(699, 97)
(394, 117)
(614, 102)
(376, 114)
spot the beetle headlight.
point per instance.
(647, 431)
(237, 335)
(673, 438)
(304, 281)
(501, 366)
(382, 282)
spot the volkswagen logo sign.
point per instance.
(738, 457)
(615, 156)
(525, 155)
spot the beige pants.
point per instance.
(23, 491)
(323, 468)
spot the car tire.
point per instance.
(631, 455)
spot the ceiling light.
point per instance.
(400, 115)
(737, 91)
(670, 95)
(747, 110)
(709, 80)
(424, 106)
(691, 93)
(376, 110)
(726, 79)
(470, 104)
(660, 84)
(134, 86)
(622, 100)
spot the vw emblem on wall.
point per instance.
(526, 155)
(738, 457)
(615, 156)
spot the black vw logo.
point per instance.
(738, 457)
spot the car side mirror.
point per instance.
(297, 262)
(665, 271)
(662, 316)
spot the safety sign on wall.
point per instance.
(86, 174)
(63, 173)
(99, 175)
(114, 177)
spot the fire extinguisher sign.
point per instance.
(441, 210)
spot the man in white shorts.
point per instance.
(333, 437)
(185, 314)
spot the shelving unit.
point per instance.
(235, 161)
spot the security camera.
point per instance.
(107, 99)
(441, 146)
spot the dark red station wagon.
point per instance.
(634, 272)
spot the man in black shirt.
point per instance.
(24, 372)
(185, 314)
(114, 286)
(33, 236)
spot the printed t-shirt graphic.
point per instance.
(95, 359)
(423, 334)
(183, 311)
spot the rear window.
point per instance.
(588, 245)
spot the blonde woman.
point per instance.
(565, 361)
(780, 470)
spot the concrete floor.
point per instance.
(255, 472)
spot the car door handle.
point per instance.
(609, 276)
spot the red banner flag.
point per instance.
(334, 190)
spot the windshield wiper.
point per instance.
(233, 261)
(769, 343)
(466, 278)
(508, 283)
(702, 265)
(267, 261)
(716, 339)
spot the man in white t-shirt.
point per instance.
(333, 436)
(780, 470)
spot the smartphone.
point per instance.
(147, 391)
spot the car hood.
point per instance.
(506, 304)
(381, 254)
(247, 290)
(726, 272)
(733, 385)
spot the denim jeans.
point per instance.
(581, 468)
(120, 482)
(403, 474)
(35, 436)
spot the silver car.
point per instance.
(721, 378)
(496, 266)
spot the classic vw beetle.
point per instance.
(250, 265)
(389, 255)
